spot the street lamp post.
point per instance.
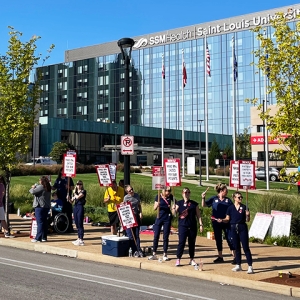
(126, 45)
(116, 128)
(200, 163)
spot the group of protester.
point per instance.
(63, 199)
(228, 218)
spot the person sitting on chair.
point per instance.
(56, 204)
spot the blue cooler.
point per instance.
(115, 245)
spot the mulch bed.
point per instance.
(293, 280)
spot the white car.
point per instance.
(41, 161)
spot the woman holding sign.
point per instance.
(238, 214)
(189, 212)
(219, 204)
(164, 218)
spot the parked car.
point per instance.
(41, 161)
(260, 173)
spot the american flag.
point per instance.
(207, 61)
(184, 76)
(235, 68)
(163, 71)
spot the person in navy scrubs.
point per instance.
(189, 212)
(219, 204)
(164, 218)
(238, 214)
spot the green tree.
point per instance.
(58, 150)
(18, 101)
(229, 152)
(243, 146)
(214, 153)
(278, 57)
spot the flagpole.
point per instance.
(266, 137)
(233, 101)
(206, 110)
(182, 112)
(162, 110)
(266, 141)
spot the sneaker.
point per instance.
(219, 260)
(250, 270)
(152, 257)
(237, 268)
(136, 254)
(193, 263)
(76, 242)
(177, 264)
(233, 262)
(8, 235)
(141, 254)
(44, 240)
(81, 243)
(166, 258)
(34, 241)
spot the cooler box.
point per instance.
(115, 245)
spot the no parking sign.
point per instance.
(127, 145)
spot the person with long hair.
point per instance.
(79, 199)
(163, 204)
(237, 215)
(7, 234)
(219, 204)
(41, 205)
(64, 187)
(188, 214)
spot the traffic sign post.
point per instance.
(127, 145)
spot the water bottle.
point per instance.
(130, 252)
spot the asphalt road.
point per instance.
(32, 275)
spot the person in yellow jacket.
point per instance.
(113, 196)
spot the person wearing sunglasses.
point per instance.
(162, 204)
(237, 215)
(134, 241)
(219, 204)
(189, 212)
(79, 199)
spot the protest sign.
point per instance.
(246, 174)
(113, 171)
(281, 224)
(234, 173)
(172, 172)
(103, 174)
(33, 228)
(260, 225)
(158, 178)
(69, 164)
(126, 215)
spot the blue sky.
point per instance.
(72, 24)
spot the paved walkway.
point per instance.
(267, 260)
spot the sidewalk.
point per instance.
(267, 260)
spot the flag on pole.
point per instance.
(207, 61)
(184, 76)
(235, 67)
(163, 71)
(235, 63)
